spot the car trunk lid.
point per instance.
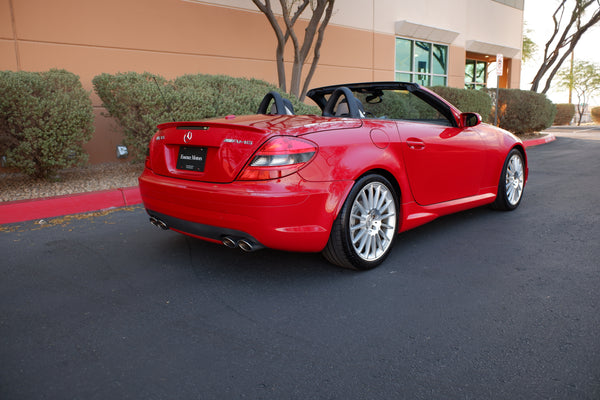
(217, 150)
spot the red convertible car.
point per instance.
(382, 158)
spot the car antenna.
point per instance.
(167, 104)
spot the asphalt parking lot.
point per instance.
(477, 305)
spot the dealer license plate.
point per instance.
(191, 158)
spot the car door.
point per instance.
(443, 162)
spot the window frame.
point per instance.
(414, 74)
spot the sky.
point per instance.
(538, 19)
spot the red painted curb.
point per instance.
(535, 142)
(26, 210)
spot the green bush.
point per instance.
(595, 112)
(467, 100)
(564, 114)
(524, 111)
(45, 118)
(239, 96)
(139, 102)
(397, 105)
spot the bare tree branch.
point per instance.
(316, 26)
(572, 43)
(553, 58)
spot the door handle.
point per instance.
(415, 144)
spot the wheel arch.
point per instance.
(521, 148)
(387, 175)
(379, 171)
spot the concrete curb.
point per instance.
(27, 210)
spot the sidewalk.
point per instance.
(27, 210)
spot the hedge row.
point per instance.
(519, 111)
(523, 111)
(139, 102)
(45, 118)
(478, 101)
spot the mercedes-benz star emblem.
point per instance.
(188, 137)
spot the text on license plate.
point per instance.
(191, 158)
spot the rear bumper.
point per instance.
(286, 214)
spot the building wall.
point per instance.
(175, 37)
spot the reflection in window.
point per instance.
(475, 74)
(440, 59)
(421, 62)
(422, 57)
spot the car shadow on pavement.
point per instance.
(214, 259)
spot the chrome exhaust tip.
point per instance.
(245, 245)
(229, 242)
(158, 223)
(162, 225)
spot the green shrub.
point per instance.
(239, 96)
(595, 112)
(467, 100)
(564, 114)
(524, 111)
(138, 104)
(45, 118)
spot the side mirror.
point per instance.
(470, 119)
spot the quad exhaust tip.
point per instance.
(158, 223)
(243, 244)
(229, 242)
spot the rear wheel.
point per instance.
(512, 182)
(364, 231)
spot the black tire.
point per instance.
(365, 229)
(512, 182)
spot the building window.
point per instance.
(475, 74)
(422, 62)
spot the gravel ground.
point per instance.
(17, 186)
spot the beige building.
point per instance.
(433, 42)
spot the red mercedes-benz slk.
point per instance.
(382, 158)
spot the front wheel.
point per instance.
(363, 233)
(512, 182)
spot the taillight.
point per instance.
(279, 157)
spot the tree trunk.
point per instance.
(316, 26)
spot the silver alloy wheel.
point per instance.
(514, 179)
(372, 221)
